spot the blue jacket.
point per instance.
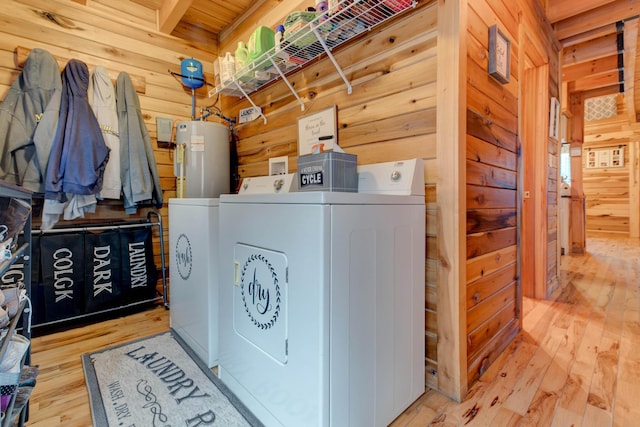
(79, 154)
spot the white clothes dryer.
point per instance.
(193, 273)
(322, 305)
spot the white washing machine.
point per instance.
(193, 274)
(322, 303)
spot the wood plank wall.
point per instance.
(390, 115)
(119, 35)
(492, 144)
(493, 291)
(609, 192)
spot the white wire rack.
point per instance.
(315, 38)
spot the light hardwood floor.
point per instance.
(576, 363)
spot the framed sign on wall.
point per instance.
(318, 130)
(499, 55)
(610, 158)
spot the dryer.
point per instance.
(193, 274)
(322, 304)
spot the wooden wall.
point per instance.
(492, 142)
(390, 115)
(493, 189)
(612, 193)
(119, 35)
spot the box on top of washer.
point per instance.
(328, 171)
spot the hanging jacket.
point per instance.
(28, 120)
(102, 98)
(79, 154)
(138, 169)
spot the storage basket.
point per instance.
(295, 22)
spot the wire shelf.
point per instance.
(344, 21)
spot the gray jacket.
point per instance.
(102, 98)
(28, 121)
(138, 169)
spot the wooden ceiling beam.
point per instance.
(589, 35)
(557, 10)
(591, 50)
(618, 10)
(170, 13)
(596, 66)
(594, 93)
(598, 81)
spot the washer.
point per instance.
(193, 290)
(322, 305)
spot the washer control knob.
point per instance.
(395, 176)
(278, 183)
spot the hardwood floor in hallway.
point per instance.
(576, 363)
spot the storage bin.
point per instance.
(295, 22)
(328, 171)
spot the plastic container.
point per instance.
(279, 36)
(328, 171)
(261, 40)
(227, 68)
(242, 61)
(321, 9)
(242, 56)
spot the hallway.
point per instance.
(577, 361)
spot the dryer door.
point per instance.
(260, 299)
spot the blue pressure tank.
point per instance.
(191, 71)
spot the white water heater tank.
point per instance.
(206, 158)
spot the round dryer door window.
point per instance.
(260, 299)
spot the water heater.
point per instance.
(206, 160)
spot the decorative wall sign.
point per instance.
(611, 158)
(499, 55)
(318, 131)
(554, 118)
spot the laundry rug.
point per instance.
(158, 381)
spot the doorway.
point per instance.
(533, 191)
